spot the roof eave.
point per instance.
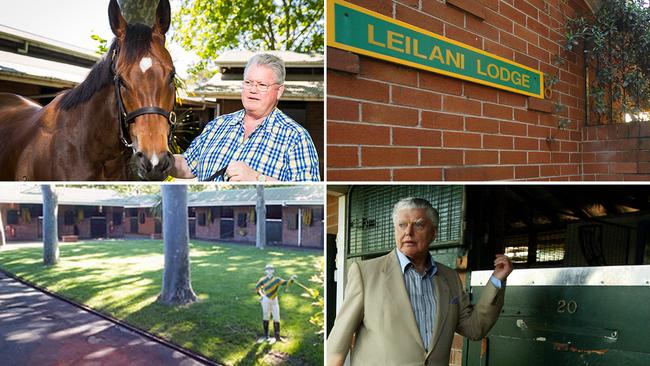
(18, 35)
(37, 80)
(285, 97)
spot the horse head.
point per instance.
(143, 74)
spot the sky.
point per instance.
(72, 22)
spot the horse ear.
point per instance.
(163, 17)
(115, 18)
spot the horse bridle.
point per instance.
(125, 119)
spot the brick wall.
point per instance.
(393, 122)
(617, 152)
(113, 230)
(22, 230)
(211, 229)
(32, 230)
(83, 226)
(248, 233)
(312, 235)
(149, 225)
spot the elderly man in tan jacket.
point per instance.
(403, 308)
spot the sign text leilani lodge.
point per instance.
(365, 32)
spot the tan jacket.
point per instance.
(377, 308)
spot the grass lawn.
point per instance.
(123, 279)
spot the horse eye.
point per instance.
(123, 84)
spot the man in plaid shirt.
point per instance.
(257, 143)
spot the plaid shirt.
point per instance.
(279, 148)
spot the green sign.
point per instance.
(353, 28)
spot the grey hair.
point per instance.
(272, 62)
(413, 202)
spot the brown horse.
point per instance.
(115, 125)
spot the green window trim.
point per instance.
(370, 222)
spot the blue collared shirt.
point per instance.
(279, 147)
(420, 290)
(421, 294)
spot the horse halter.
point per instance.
(126, 119)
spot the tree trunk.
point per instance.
(176, 284)
(50, 226)
(260, 212)
(2, 231)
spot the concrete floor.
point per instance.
(38, 329)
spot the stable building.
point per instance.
(294, 215)
(469, 90)
(82, 213)
(139, 217)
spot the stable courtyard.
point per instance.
(122, 279)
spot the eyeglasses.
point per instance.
(418, 225)
(262, 87)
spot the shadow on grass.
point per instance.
(256, 352)
(123, 279)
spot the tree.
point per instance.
(208, 27)
(176, 284)
(616, 43)
(134, 11)
(260, 212)
(139, 11)
(50, 226)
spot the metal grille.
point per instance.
(550, 246)
(371, 223)
(516, 247)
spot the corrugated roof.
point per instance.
(293, 90)
(237, 58)
(33, 70)
(31, 193)
(148, 200)
(286, 196)
(292, 195)
(18, 35)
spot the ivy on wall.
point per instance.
(616, 45)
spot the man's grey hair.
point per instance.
(272, 62)
(414, 202)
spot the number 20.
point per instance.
(569, 307)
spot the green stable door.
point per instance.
(596, 316)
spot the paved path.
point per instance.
(38, 329)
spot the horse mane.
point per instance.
(137, 43)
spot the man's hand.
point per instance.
(238, 171)
(502, 267)
(180, 168)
